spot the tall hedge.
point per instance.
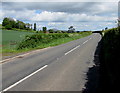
(110, 62)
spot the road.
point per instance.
(59, 68)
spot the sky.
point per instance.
(83, 15)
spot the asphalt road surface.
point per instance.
(59, 68)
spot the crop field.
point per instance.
(14, 42)
(11, 38)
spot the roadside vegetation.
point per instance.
(38, 41)
(11, 38)
(47, 40)
(110, 60)
(18, 36)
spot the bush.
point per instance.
(35, 40)
(38, 39)
(8, 27)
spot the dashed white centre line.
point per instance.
(24, 78)
(39, 69)
(72, 49)
(90, 38)
(85, 42)
(77, 47)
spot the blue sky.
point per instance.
(61, 15)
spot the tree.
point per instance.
(17, 24)
(51, 31)
(34, 26)
(118, 23)
(20, 25)
(44, 29)
(8, 26)
(13, 23)
(9, 23)
(58, 31)
(5, 21)
(71, 29)
(106, 28)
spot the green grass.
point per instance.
(11, 49)
(0, 25)
(38, 40)
(11, 38)
(62, 41)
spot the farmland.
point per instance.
(11, 38)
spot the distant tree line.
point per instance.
(10, 23)
(71, 29)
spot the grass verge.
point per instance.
(60, 39)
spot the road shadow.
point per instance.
(93, 75)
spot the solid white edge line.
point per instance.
(24, 78)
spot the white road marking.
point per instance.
(24, 78)
(72, 49)
(36, 70)
(85, 42)
(77, 47)
(20, 56)
(90, 38)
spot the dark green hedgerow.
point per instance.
(110, 59)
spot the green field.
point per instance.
(11, 38)
(14, 42)
(0, 25)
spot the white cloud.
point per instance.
(63, 15)
(45, 16)
(66, 17)
(49, 16)
(54, 23)
(106, 8)
(75, 7)
(61, 11)
(20, 15)
(1, 14)
(60, 0)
